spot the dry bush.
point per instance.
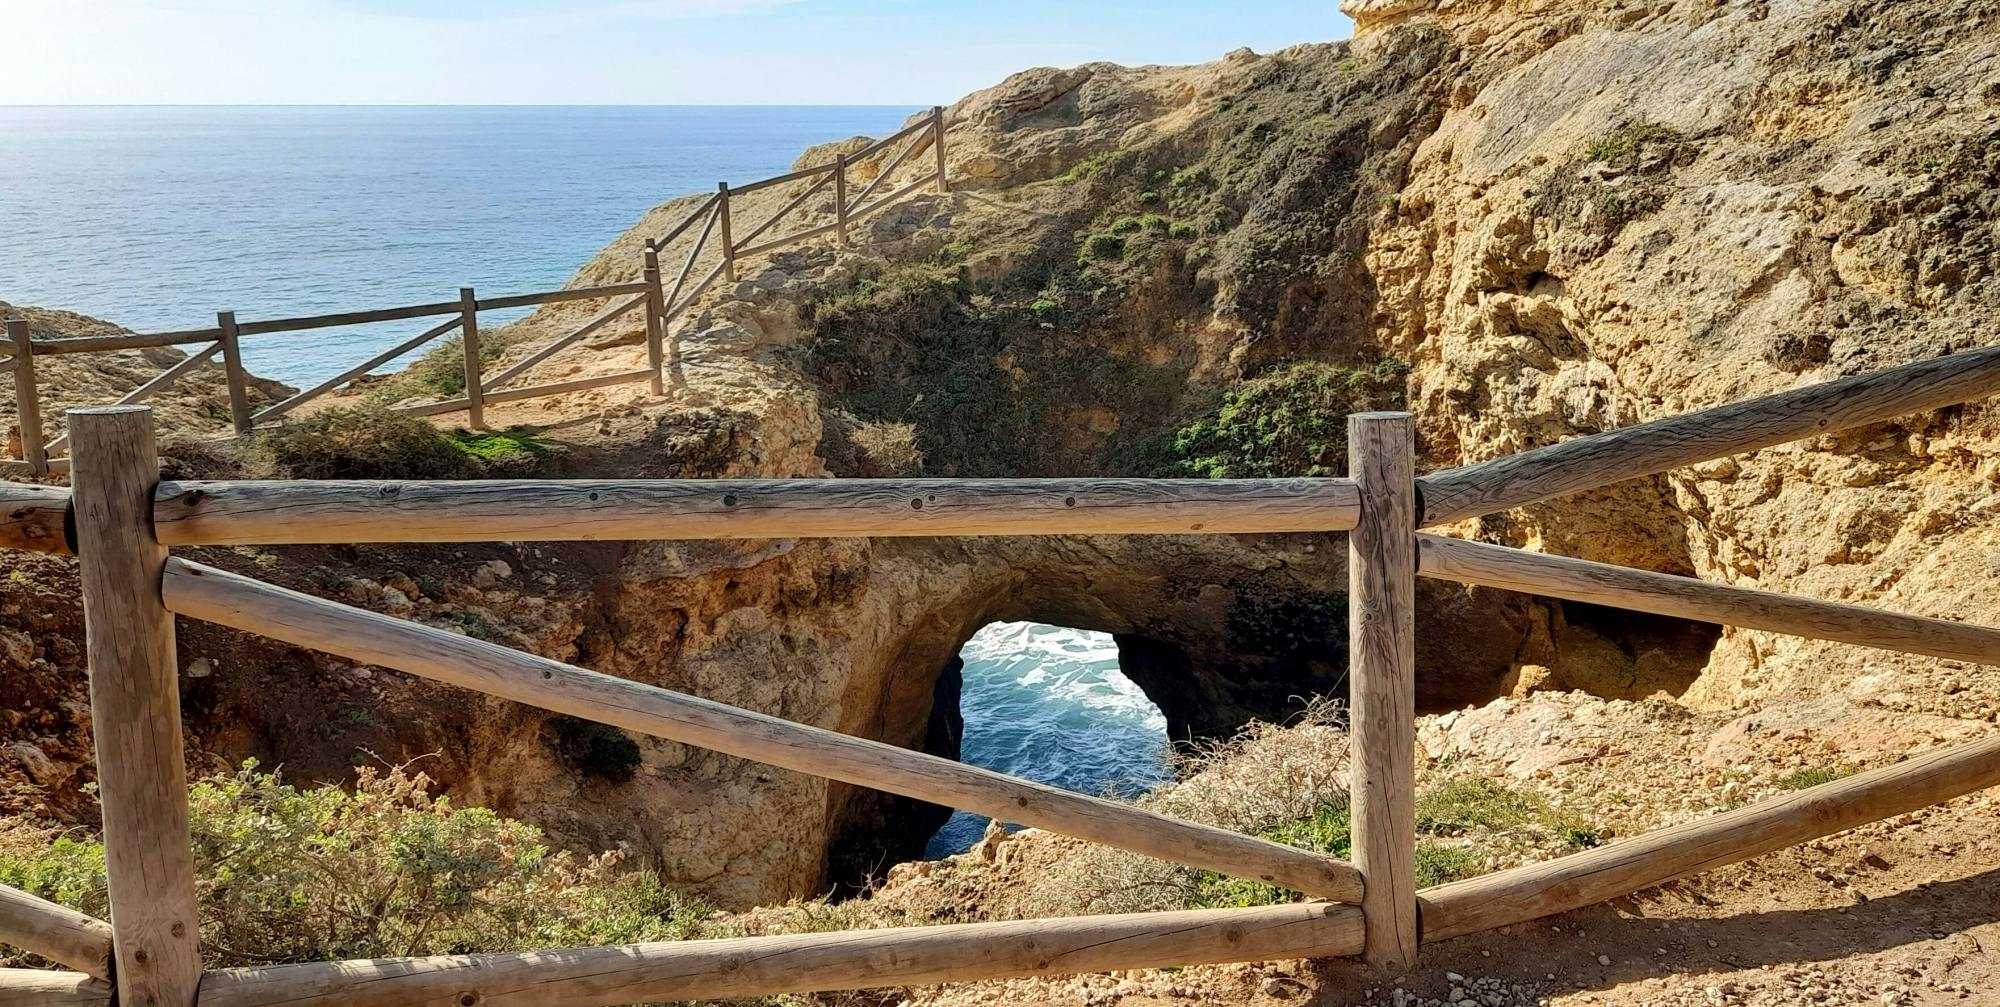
(889, 449)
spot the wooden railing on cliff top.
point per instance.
(661, 304)
(121, 520)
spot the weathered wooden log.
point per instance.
(125, 341)
(233, 374)
(159, 381)
(475, 395)
(917, 142)
(34, 517)
(796, 201)
(358, 370)
(27, 398)
(610, 314)
(789, 239)
(937, 146)
(755, 967)
(252, 606)
(559, 296)
(707, 207)
(560, 387)
(507, 510)
(1651, 448)
(135, 707)
(863, 211)
(302, 323)
(56, 932)
(39, 988)
(790, 176)
(1688, 598)
(1382, 682)
(1609, 872)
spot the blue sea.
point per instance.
(1050, 704)
(158, 217)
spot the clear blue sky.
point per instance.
(905, 52)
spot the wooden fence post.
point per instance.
(728, 242)
(937, 141)
(232, 364)
(475, 396)
(28, 398)
(1381, 681)
(135, 707)
(656, 321)
(840, 197)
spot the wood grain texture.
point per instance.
(301, 323)
(1633, 865)
(28, 398)
(656, 322)
(475, 395)
(1382, 682)
(252, 606)
(32, 517)
(559, 387)
(41, 988)
(508, 510)
(559, 296)
(1650, 448)
(233, 374)
(1688, 598)
(124, 341)
(135, 707)
(840, 197)
(56, 932)
(937, 145)
(722, 220)
(756, 967)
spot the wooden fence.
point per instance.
(661, 305)
(120, 519)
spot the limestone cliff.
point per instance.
(1521, 220)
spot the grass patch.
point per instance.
(1290, 422)
(1631, 140)
(1470, 804)
(362, 443)
(1813, 776)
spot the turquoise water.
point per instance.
(157, 217)
(1049, 704)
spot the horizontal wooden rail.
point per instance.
(304, 323)
(507, 510)
(1633, 865)
(883, 144)
(124, 341)
(790, 239)
(458, 405)
(358, 370)
(288, 616)
(706, 206)
(674, 309)
(892, 197)
(1688, 598)
(790, 176)
(757, 967)
(56, 932)
(1688, 439)
(772, 220)
(159, 381)
(33, 517)
(559, 296)
(39, 988)
(561, 387)
(600, 320)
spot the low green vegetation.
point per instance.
(373, 443)
(1631, 139)
(1289, 422)
(289, 874)
(1813, 776)
(1467, 804)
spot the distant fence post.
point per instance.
(937, 142)
(232, 365)
(135, 707)
(728, 242)
(475, 396)
(840, 197)
(1381, 680)
(656, 321)
(27, 397)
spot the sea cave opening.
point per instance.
(1050, 704)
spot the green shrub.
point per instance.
(363, 443)
(1098, 247)
(594, 749)
(1813, 776)
(1290, 422)
(289, 874)
(1631, 139)
(1466, 804)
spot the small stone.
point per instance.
(1603, 959)
(200, 667)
